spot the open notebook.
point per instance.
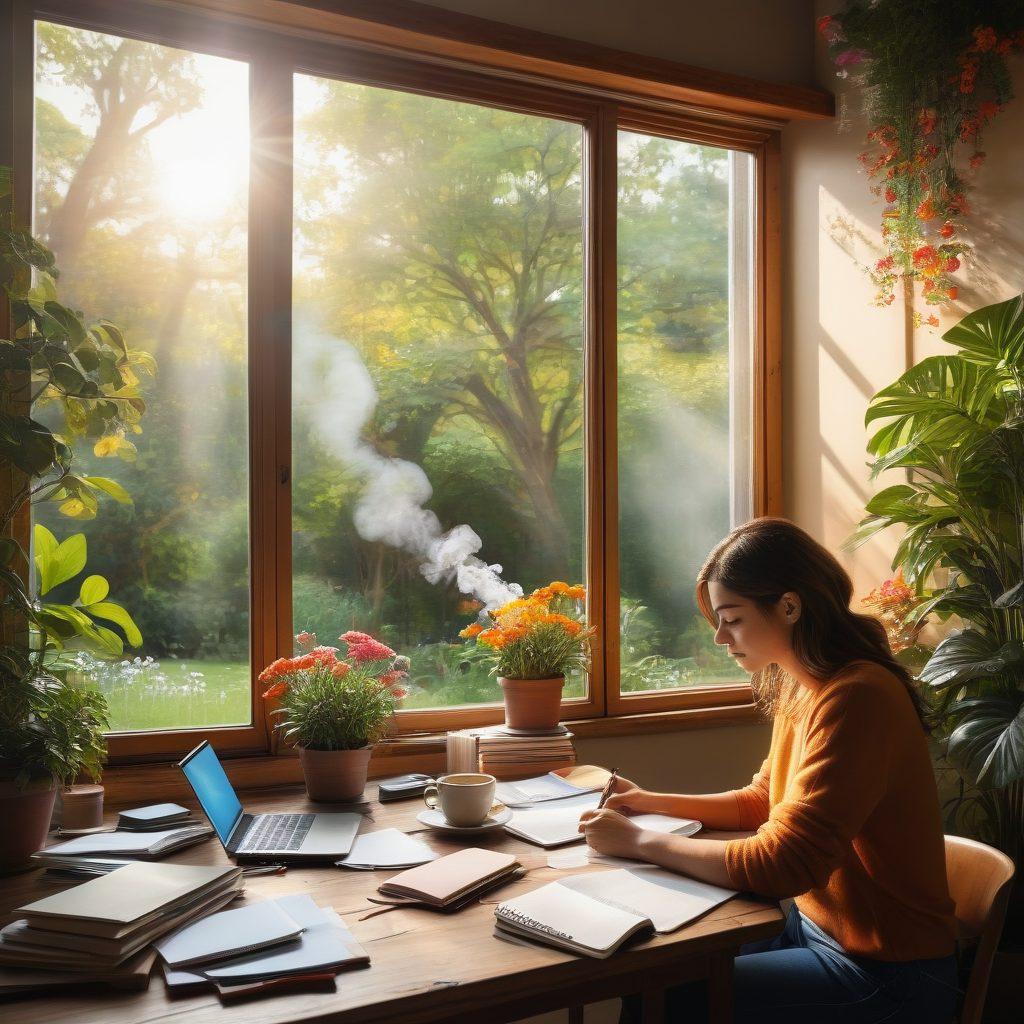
(596, 912)
(557, 822)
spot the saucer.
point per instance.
(436, 819)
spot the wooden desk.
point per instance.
(425, 966)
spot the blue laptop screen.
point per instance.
(215, 792)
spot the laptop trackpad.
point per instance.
(331, 835)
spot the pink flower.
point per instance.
(304, 639)
(362, 647)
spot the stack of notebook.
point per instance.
(148, 845)
(509, 754)
(99, 926)
(153, 818)
(258, 948)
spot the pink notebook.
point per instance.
(451, 878)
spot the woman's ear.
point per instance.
(791, 606)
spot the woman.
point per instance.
(845, 804)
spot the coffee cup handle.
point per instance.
(430, 796)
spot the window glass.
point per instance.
(683, 385)
(141, 188)
(437, 369)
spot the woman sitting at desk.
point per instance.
(845, 805)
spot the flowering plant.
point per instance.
(933, 74)
(536, 637)
(331, 703)
(893, 603)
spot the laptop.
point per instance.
(283, 837)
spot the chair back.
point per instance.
(979, 883)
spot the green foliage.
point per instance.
(955, 422)
(322, 712)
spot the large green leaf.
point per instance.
(115, 613)
(93, 590)
(970, 655)
(111, 487)
(989, 743)
(58, 564)
(993, 333)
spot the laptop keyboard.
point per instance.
(277, 832)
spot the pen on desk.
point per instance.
(608, 786)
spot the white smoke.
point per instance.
(336, 395)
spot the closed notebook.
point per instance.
(153, 817)
(127, 899)
(596, 912)
(557, 822)
(451, 878)
(229, 933)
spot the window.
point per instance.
(437, 369)
(141, 179)
(684, 351)
(393, 303)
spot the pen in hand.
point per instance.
(608, 787)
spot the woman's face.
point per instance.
(755, 638)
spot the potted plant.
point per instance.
(532, 642)
(85, 373)
(956, 423)
(334, 709)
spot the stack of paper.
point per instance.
(74, 866)
(147, 845)
(298, 939)
(505, 754)
(386, 849)
(101, 924)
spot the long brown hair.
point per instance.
(768, 557)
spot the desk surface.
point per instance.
(425, 966)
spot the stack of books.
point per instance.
(510, 753)
(102, 927)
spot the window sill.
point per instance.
(126, 783)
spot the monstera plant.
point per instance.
(955, 423)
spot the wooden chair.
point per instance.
(979, 883)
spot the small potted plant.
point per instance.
(532, 642)
(334, 709)
(50, 733)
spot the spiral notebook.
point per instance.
(596, 912)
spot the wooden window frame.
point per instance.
(354, 49)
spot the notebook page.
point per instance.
(528, 791)
(553, 823)
(569, 918)
(668, 900)
(387, 848)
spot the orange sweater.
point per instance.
(848, 821)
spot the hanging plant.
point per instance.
(933, 73)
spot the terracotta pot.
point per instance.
(25, 814)
(335, 776)
(532, 703)
(80, 806)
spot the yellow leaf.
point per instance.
(73, 508)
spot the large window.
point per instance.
(452, 320)
(141, 174)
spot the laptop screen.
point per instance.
(203, 770)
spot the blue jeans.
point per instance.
(803, 976)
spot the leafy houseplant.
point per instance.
(956, 424)
(335, 709)
(50, 729)
(532, 642)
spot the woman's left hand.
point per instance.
(610, 832)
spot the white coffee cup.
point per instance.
(465, 798)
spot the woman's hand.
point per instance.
(610, 832)
(626, 797)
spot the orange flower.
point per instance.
(276, 690)
(925, 209)
(340, 669)
(947, 230)
(952, 293)
(932, 321)
(472, 630)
